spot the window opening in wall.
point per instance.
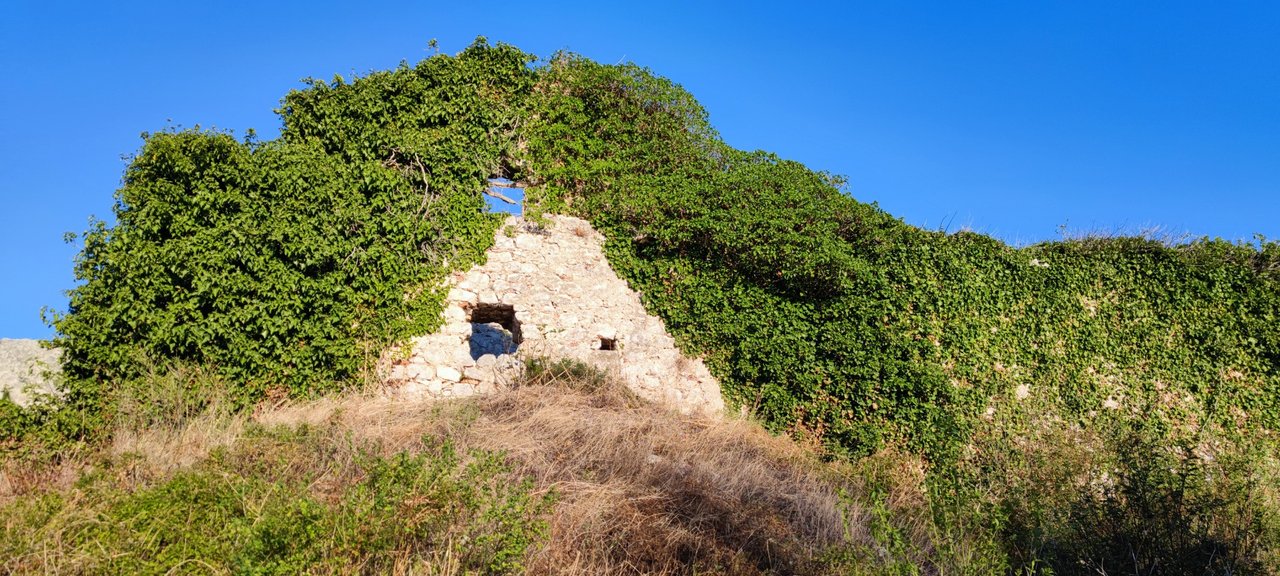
(494, 330)
(504, 196)
(608, 343)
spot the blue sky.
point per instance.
(1010, 118)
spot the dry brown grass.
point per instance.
(22, 476)
(644, 489)
(640, 489)
(138, 456)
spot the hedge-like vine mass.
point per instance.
(833, 320)
(288, 265)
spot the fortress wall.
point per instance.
(548, 293)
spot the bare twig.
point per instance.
(426, 187)
(498, 195)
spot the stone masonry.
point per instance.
(548, 292)
(28, 370)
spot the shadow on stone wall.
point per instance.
(491, 338)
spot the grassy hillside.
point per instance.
(495, 485)
(1093, 405)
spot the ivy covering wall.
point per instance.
(834, 320)
(1072, 405)
(289, 265)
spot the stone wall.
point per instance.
(548, 292)
(27, 370)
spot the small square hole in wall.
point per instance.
(494, 330)
(608, 343)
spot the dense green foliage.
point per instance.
(831, 318)
(834, 321)
(288, 265)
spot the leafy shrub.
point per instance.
(1116, 495)
(289, 265)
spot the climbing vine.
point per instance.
(289, 265)
(832, 319)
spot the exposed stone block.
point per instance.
(421, 371)
(460, 295)
(454, 314)
(448, 373)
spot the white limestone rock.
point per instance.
(568, 301)
(460, 295)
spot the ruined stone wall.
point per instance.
(27, 370)
(548, 292)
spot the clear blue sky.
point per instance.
(1012, 118)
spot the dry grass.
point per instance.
(138, 457)
(640, 489)
(646, 490)
(21, 476)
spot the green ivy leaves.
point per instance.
(288, 265)
(831, 319)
